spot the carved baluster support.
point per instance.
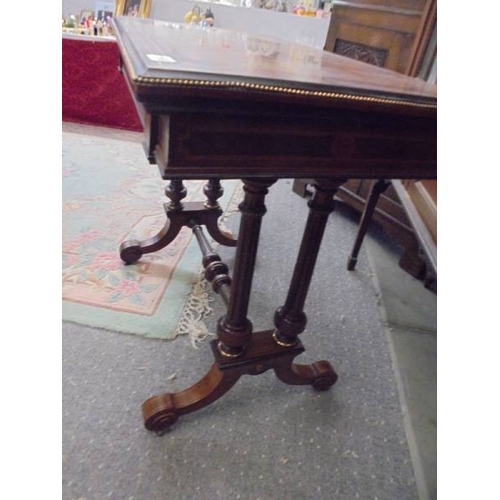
(290, 319)
(235, 329)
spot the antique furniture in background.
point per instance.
(419, 198)
(399, 35)
(392, 34)
(219, 104)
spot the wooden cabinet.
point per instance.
(419, 199)
(399, 35)
(392, 34)
(423, 195)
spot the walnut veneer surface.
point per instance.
(219, 104)
(180, 51)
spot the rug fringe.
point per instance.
(196, 308)
(198, 303)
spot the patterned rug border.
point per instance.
(186, 301)
(189, 321)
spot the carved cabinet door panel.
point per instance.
(397, 35)
(390, 34)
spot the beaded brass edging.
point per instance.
(217, 84)
(149, 81)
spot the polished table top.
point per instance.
(276, 108)
(179, 53)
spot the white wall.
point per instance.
(75, 7)
(305, 30)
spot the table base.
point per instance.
(263, 353)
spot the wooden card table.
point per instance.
(217, 104)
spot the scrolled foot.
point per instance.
(320, 375)
(161, 422)
(130, 251)
(159, 413)
(325, 376)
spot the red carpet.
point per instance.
(94, 92)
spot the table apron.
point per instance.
(194, 147)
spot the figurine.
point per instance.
(193, 16)
(208, 18)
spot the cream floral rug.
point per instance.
(111, 194)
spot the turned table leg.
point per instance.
(290, 319)
(236, 352)
(234, 330)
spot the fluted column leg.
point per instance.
(290, 319)
(234, 330)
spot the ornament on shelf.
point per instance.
(207, 18)
(193, 16)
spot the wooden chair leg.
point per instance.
(378, 187)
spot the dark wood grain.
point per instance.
(376, 190)
(354, 144)
(177, 217)
(290, 319)
(219, 104)
(235, 329)
(161, 57)
(384, 35)
(161, 412)
(224, 110)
